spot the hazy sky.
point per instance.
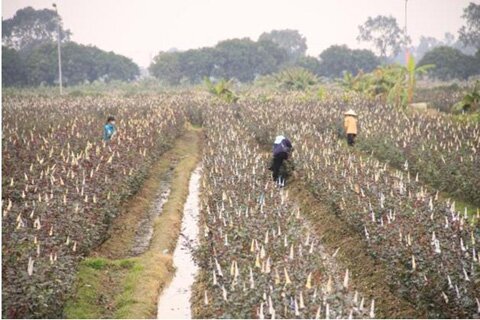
(141, 28)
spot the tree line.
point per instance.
(245, 59)
(29, 54)
(30, 57)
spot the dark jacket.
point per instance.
(282, 149)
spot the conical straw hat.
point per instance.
(350, 113)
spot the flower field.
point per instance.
(259, 256)
(62, 186)
(430, 248)
(444, 153)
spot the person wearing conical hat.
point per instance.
(350, 125)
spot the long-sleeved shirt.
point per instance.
(283, 147)
(108, 131)
(350, 125)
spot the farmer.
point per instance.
(282, 147)
(109, 129)
(350, 126)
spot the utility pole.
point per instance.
(59, 50)
(405, 37)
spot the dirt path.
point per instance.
(132, 231)
(124, 276)
(350, 252)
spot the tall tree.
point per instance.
(272, 57)
(311, 64)
(290, 40)
(336, 60)
(41, 64)
(242, 59)
(384, 34)
(197, 64)
(426, 44)
(166, 66)
(237, 58)
(13, 69)
(470, 33)
(80, 64)
(30, 54)
(118, 67)
(30, 28)
(450, 63)
(449, 39)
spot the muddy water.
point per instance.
(145, 226)
(174, 303)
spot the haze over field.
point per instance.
(140, 29)
(213, 159)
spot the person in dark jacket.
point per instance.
(281, 151)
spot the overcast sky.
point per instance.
(141, 28)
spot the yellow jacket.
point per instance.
(350, 125)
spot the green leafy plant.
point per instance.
(394, 83)
(353, 83)
(471, 100)
(385, 82)
(412, 71)
(322, 93)
(222, 89)
(298, 79)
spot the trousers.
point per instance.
(277, 164)
(351, 139)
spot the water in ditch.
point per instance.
(174, 303)
(145, 227)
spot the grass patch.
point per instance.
(467, 118)
(127, 264)
(461, 205)
(96, 287)
(109, 286)
(96, 263)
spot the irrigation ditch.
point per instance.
(124, 277)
